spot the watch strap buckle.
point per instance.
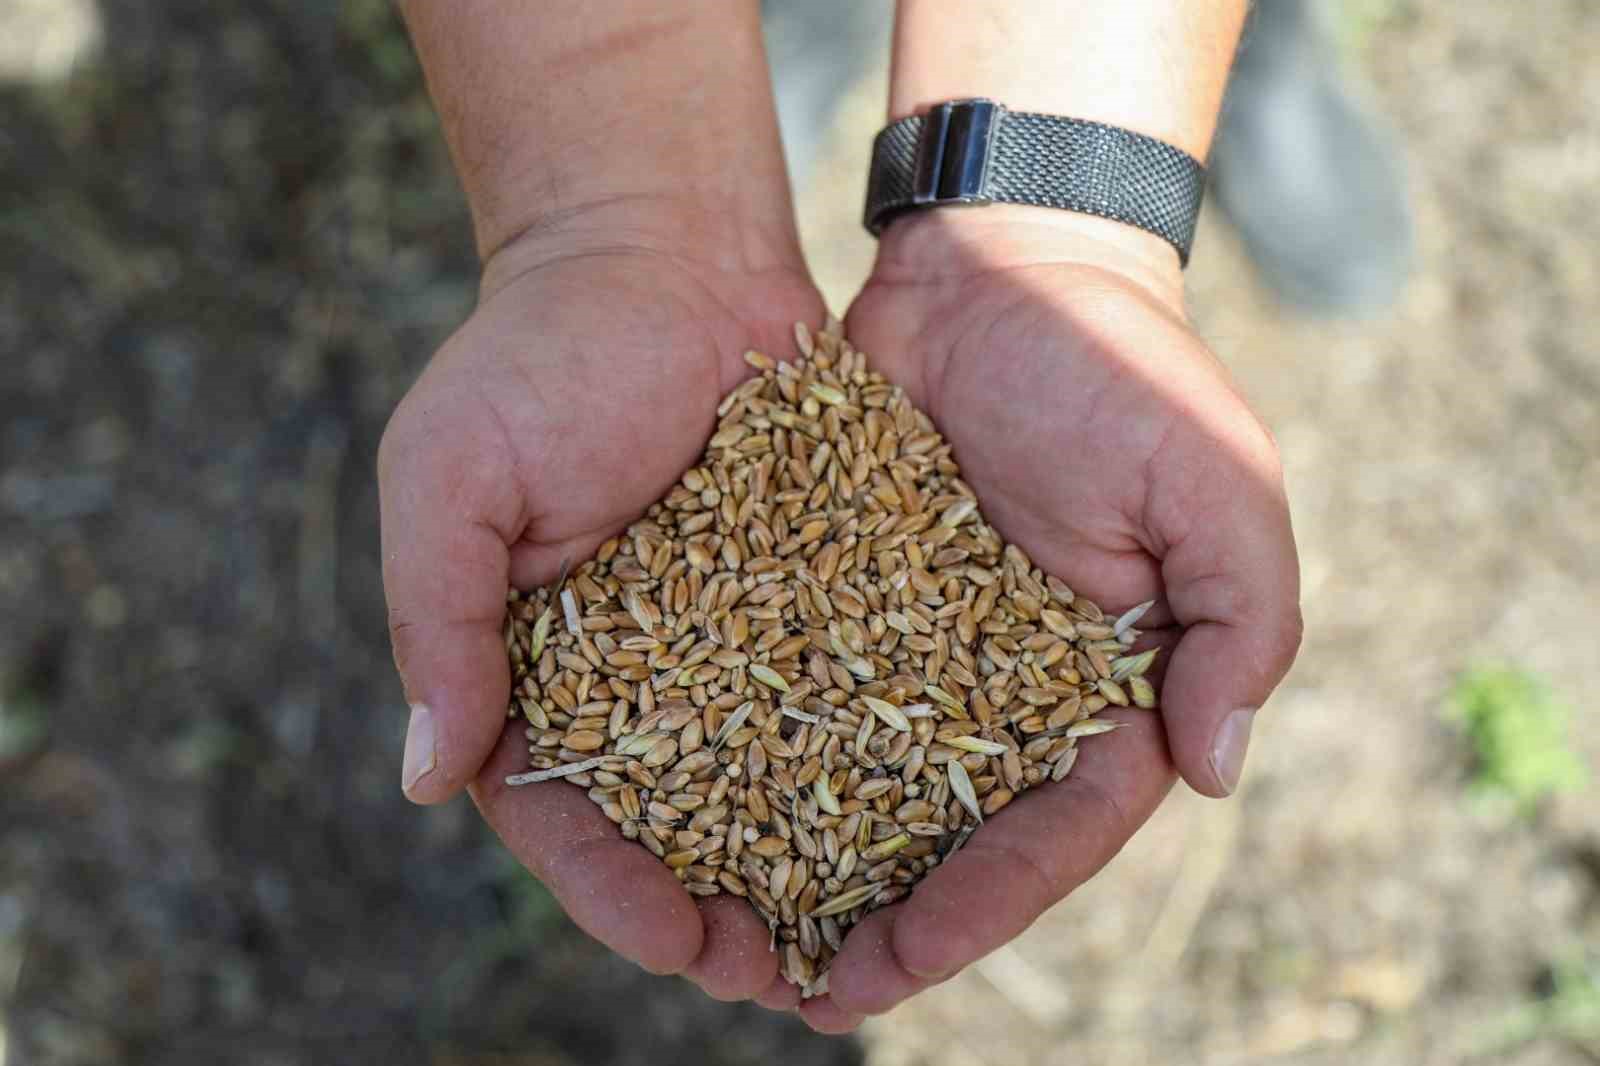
(954, 151)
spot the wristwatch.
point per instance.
(978, 152)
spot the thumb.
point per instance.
(1232, 580)
(449, 507)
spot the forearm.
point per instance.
(657, 117)
(1158, 67)
(1155, 66)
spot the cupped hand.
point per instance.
(579, 390)
(1104, 438)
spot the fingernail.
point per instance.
(1227, 750)
(419, 759)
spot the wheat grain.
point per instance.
(1125, 621)
(810, 671)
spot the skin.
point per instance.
(1052, 349)
(1106, 440)
(573, 397)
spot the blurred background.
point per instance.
(230, 238)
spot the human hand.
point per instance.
(579, 390)
(1104, 438)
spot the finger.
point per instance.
(448, 510)
(867, 979)
(614, 890)
(827, 1017)
(1027, 858)
(734, 962)
(780, 994)
(1233, 581)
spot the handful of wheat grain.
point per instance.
(808, 673)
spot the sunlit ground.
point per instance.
(42, 40)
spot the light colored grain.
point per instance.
(1126, 620)
(541, 633)
(569, 609)
(1112, 692)
(845, 901)
(768, 677)
(829, 395)
(1092, 727)
(565, 770)
(826, 800)
(885, 848)
(734, 723)
(888, 713)
(977, 744)
(1142, 692)
(1130, 666)
(961, 785)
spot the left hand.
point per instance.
(580, 388)
(1105, 439)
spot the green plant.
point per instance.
(24, 724)
(375, 27)
(22, 729)
(1518, 732)
(1571, 1012)
(532, 913)
(1357, 22)
(531, 921)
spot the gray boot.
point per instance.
(1306, 172)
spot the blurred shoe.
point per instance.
(1307, 174)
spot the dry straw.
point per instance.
(812, 669)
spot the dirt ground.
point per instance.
(230, 240)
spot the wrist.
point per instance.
(954, 245)
(723, 205)
(684, 280)
(679, 231)
(1155, 67)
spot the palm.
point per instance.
(1100, 435)
(1062, 392)
(591, 386)
(571, 400)
(1098, 431)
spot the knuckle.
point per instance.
(400, 648)
(399, 625)
(1288, 635)
(391, 446)
(1047, 886)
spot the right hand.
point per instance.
(579, 390)
(1108, 442)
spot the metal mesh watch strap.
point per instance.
(975, 151)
